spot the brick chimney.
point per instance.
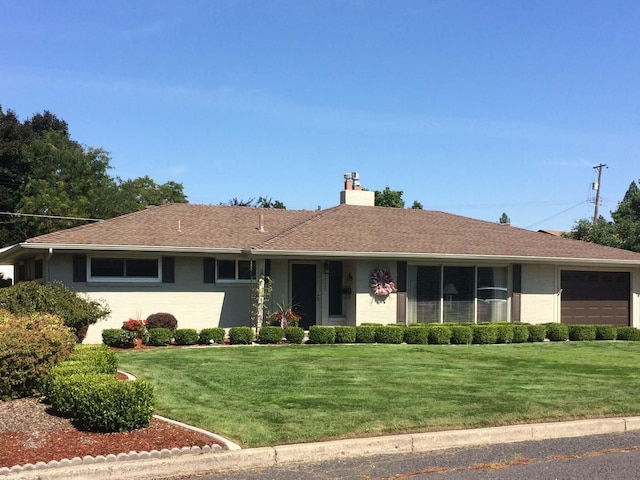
(353, 194)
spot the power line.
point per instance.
(556, 215)
(58, 217)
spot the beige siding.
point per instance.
(540, 299)
(194, 303)
(368, 307)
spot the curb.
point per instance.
(264, 457)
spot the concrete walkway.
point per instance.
(242, 459)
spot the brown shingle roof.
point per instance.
(346, 229)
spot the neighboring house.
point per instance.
(200, 262)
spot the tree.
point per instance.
(624, 229)
(504, 218)
(44, 173)
(416, 205)
(262, 202)
(389, 198)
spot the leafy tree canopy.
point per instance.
(262, 202)
(504, 218)
(44, 173)
(624, 229)
(393, 199)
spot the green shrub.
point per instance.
(557, 332)
(159, 337)
(582, 333)
(111, 337)
(211, 335)
(270, 334)
(162, 320)
(29, 347)
(294, 334)
(485, 334)
(185, 336)
(461, 334)
(505, 332)
(537, 333)
(606, 332)
(109, 405)
(77, 310)
(345, 334)
(439, 334)
(99, 357)
(63, 389)
(366, 334)
(390, 334)
(629, 334)
(416, 336)
(321, 335)
(520, 333)
(240, 335)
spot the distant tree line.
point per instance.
(44, 173)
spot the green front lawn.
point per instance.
(275, 395)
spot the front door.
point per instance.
(303, 292)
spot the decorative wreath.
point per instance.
(382, 282)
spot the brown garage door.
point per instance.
(595, 297)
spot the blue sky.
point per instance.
(470, 107)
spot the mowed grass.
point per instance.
(260, 396)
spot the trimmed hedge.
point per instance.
(321, 335)
(270, 335)
(86, 388)
(366, 334)
(537, 333)
(390, 334)
(557, 332)
(520, 333)
(159, 337)
(345, 334)
(185, 336)
(582, 333)
(106, 404)
(439, 335)
(461, 334)
(240, 335)
(629, 334)
(485, 334)
(211, 335)
(504, 332)
(29, 347)
(606, 332)
(294, 334)
(416, 336)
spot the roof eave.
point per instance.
(128, 248)
(447, 256)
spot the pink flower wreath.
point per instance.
(382, 282)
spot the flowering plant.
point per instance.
(382, 282)
(137, 326)
(285, 316)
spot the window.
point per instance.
(457, 294)
(111, 269)
(236, 270)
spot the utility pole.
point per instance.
(596, 187)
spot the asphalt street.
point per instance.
(595, 457)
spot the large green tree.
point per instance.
(45, 174)
(624, 229)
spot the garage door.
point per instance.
(595, 297)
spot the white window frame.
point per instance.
(237, 269)
(91, 278)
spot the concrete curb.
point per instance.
(235, 460)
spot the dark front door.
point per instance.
(303, 292)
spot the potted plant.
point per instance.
(138, 329)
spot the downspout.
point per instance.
(47, 260)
